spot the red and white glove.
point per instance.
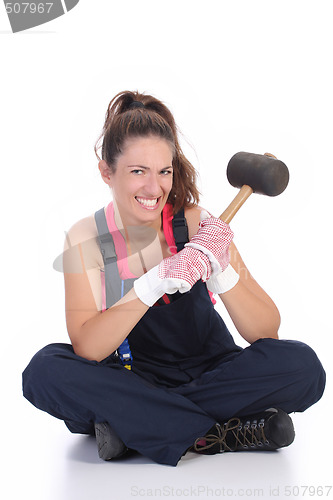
(177, 273)
(213, 239)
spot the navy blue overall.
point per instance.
(187, 373)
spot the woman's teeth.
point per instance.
(147, 203)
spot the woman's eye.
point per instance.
(166, 172)
(137, 171)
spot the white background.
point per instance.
(239, 76)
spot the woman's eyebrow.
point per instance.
(138, 166)
(148, 168)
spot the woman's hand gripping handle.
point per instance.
(177, 273)
(213, 239)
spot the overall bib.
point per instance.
(187, 373)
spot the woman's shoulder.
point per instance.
(83, 230)
(82, 244)
(192, 215)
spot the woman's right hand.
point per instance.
(177, 273)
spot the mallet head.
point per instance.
(263, 173)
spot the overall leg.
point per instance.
(158, 424)
(283, 374)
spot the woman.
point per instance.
(151, 365)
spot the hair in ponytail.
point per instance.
(131, 114)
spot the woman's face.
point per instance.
(143, 180)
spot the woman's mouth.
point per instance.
(148, 203)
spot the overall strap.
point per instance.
(115, 287)
(180, 234)
(180, 229)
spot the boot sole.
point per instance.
(109, 445)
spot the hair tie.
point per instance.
(136, 104)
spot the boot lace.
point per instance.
(247, 435)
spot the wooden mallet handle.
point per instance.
(236, 203)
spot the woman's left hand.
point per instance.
(213, 239)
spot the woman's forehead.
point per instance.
(150, 147)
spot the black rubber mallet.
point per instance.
(253, 173)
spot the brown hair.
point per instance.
(131, 114)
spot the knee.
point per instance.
(41, 370)
(305, 359)
(307, 370)
(302, 373)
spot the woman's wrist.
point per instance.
(223, 281)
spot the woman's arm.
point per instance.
(94, 334)
(252, 311)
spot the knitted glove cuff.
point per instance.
(223, 281)
(150, 287)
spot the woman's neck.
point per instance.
(139, 237)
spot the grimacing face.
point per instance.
(142, 180)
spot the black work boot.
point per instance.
(109, 445)
(269, 430)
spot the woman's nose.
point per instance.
(153, 185)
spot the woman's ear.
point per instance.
(105, 172)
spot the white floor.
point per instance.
(44, 461)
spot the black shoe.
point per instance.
(269, 430)
(109, 445)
